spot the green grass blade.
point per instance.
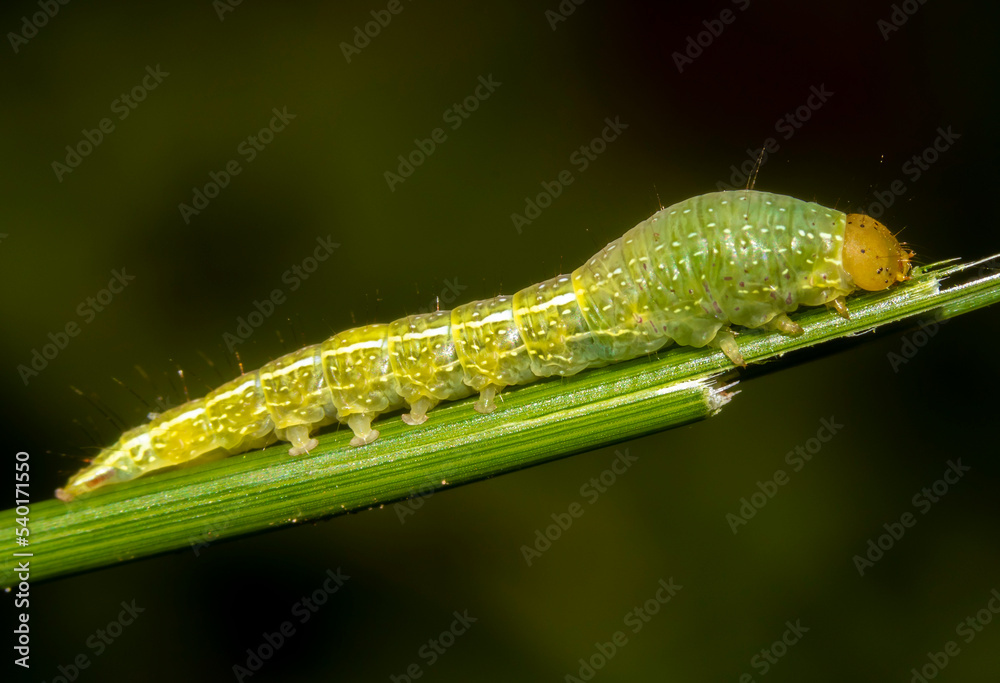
(535, 424)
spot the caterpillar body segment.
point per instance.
(238, 414)
(684, 276)
(552, 323)
(422, 349)
(295, 394)
(360, 380)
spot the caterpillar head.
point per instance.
(873, 257)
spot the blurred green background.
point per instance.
(447, 227)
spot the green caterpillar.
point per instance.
(684, 275)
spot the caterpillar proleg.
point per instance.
(683, 276)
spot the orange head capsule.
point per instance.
(872, 256)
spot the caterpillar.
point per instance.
(684, 276)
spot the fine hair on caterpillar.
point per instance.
(683, 276)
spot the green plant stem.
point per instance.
(534, 424)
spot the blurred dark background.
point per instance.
(448, 227)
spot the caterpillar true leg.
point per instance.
(840, 305)
(725, 340)
(786, 325)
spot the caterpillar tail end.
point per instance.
(89, 479)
